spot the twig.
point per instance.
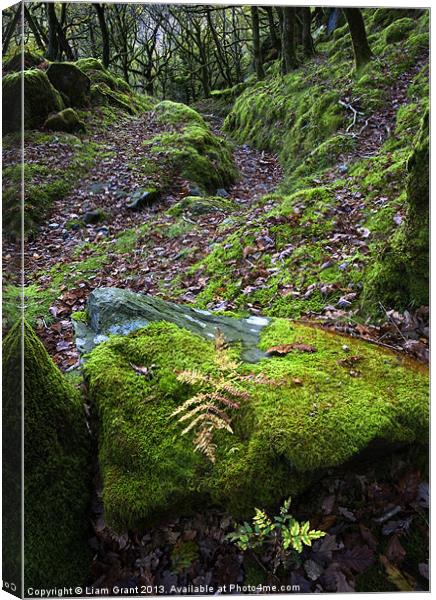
(354, 111)
(392, 321)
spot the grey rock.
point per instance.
(113, 311)
(222, 193)
(143, 197)
(97, 188)
(195, 190)
(93, 216)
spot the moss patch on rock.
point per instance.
(40, 99)
(193, 151)
(70, 81)
(312, 414)
(56, 450)
(66, 120)
(197, 205)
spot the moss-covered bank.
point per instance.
(56, 467)
(308, 411)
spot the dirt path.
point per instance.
(170, 247)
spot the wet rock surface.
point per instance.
(113, 311)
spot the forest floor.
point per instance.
(367, 513)
(147, 250)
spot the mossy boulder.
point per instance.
(193, 151)
(197, 206)
(40, 99)
(398, 30)
(102, 94)
(65, 120)
(27, 59)
(305, 412)
(176, 113)
(71, 81)
(56, 464)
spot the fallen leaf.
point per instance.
(287, 348)
(358, 558)
(395, 552)
(403, 581)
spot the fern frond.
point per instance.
(203, 442)
(230, 389)
(192, 377)
(228, 402)
(188, 403)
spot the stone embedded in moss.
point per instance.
(40, 99)
(71, 81)
(117, 311)
(56, 468)
(66, 120)
(196, 205)
(398, 30)
(284, 435)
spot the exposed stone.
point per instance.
(71, 81)
(142, 198)
(116, 311)
(195, 205)
(91, 217)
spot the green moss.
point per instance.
(80, 316)
(196, 154)
(283, 435)
(196, 205)
(40, 99)
(398, 30)
(66, 120)
(400, 278)
(56, 451)
(175, 113)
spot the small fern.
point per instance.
(283, 534)
(205, 412)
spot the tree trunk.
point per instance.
(11, 30)
(104, 33)
(308, 47)
(53, 43)
(275, 41)
(257, 53)
(362, 51)
(37, 34)
(289, 58)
